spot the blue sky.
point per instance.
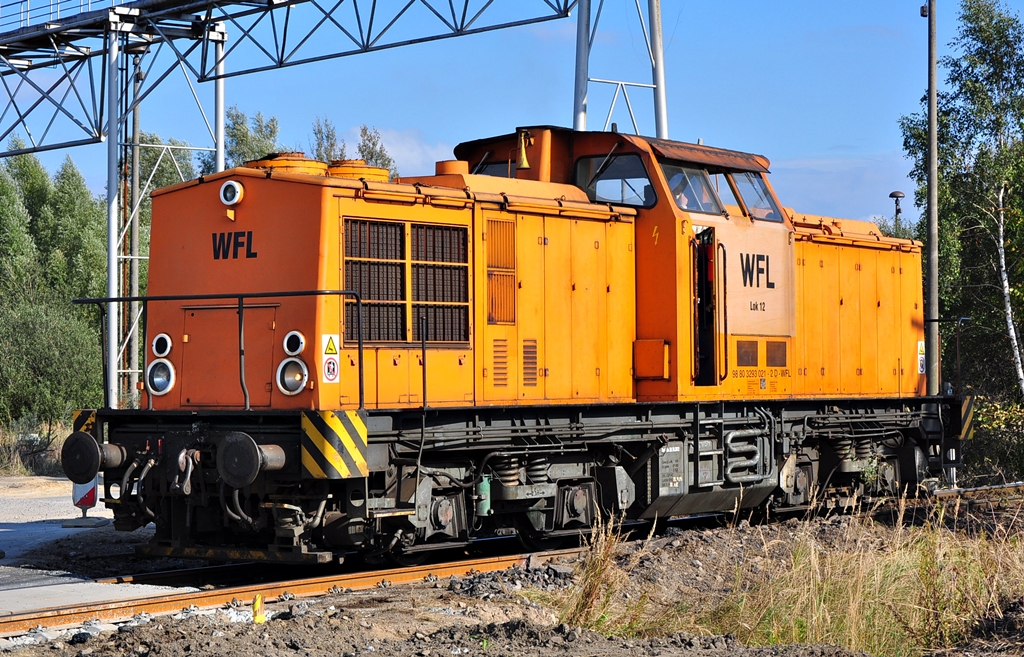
(816, 86)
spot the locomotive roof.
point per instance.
(666, 148)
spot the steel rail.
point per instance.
(121, 610)
(997, 493)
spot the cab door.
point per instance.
(707, 345)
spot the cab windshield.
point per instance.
(691, 189)
(756, 196)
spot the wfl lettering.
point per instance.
(754, 266)
(227, 245)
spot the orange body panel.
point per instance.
(534, 293)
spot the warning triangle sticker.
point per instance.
(330, 349)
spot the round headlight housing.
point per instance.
(292, 376)
(231, 192)
(161, 345)
(294, 343)
(160, 377)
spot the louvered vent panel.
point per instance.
(530, 363)
(501, 362)
(501, 244)
(501, 296)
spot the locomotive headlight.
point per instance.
(161, 345)
(231, 192)
(294, 343)
(160, 376)
(292, 375)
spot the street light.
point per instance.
(931, 304)
(896, 196)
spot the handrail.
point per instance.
(725, 311)
(240, 297)
(695, 310)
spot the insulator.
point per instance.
(537, 470)
(507, 471)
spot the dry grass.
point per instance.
(30, 448)
(889, 591)
(596, 601)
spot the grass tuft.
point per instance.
(892, 591)
(599, 599)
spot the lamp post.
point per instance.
(931, 306)
(896, 227)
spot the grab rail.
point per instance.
(695, 310)
(725, 311)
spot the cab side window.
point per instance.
(691, 189)
(756, 196)
(619, 179)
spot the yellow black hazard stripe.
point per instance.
(967, 418)
(333, 445)
(84, 421)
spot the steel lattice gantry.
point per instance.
(64, 69)
(55, 83)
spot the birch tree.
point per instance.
(981, 130)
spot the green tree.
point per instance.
(81, 247)
(50, 358)
(981, 188)
(325, 146)
(245, 139)
(34, 186)
(371, 148)
(50, 363)
(896, 227)
(19, 265)
(164, 166)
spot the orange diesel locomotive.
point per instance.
(555, 326)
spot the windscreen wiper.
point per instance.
(604, 164)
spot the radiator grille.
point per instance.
(380, 240)
(382, 322)
(399, 288)
(376, 281)
(444, 323)
(530, 363)
(439, 243)
(440, 283)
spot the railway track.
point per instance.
(121, 610)
(964, 499)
